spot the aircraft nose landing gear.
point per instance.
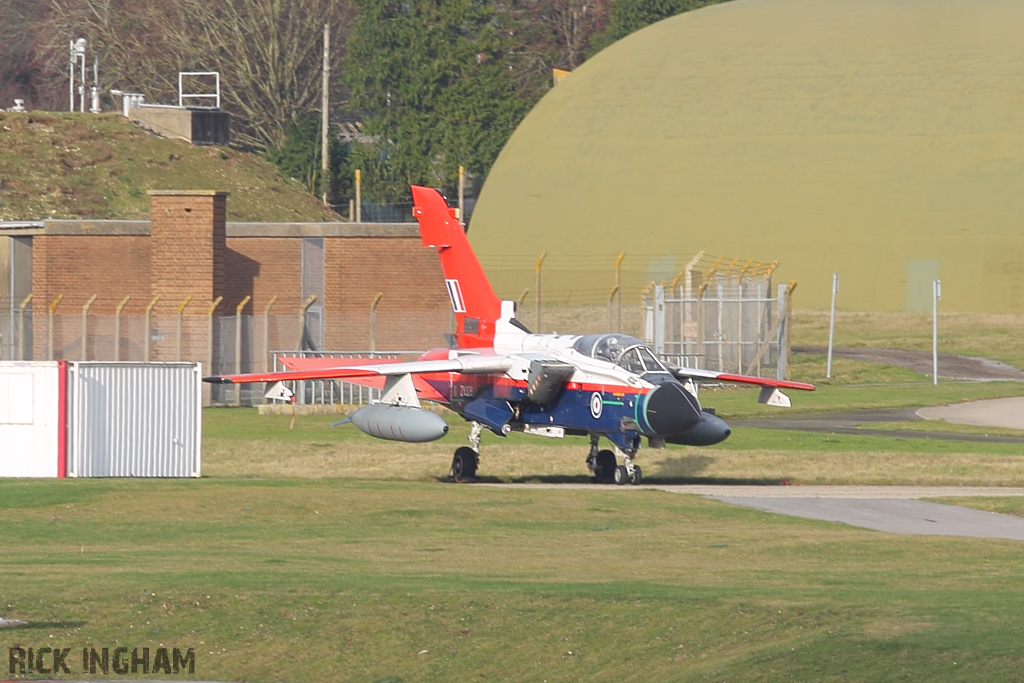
(628, 473)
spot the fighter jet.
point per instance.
(501, 377)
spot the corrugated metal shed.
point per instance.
(134, 419)
(31, 415)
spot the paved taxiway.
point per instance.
(892, 509)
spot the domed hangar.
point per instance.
(880, 139)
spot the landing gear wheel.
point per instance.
(464, 463)
(604, 470)
(621, 475)
(637, 477)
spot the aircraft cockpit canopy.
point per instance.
(627, 352)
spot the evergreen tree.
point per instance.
(298, 156)
(437, 86)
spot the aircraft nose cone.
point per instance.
(671, 410)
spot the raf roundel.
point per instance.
(596, 405)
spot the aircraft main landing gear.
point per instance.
(464, 463)
(467, 458)
(603, 464)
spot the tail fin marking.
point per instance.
(474, 302)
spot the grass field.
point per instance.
(345, 579)
(318, 554)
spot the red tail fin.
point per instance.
(476, 306)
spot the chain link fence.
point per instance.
(223, 344)
(732, 326)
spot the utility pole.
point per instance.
(325, 119)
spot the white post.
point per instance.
(936, 295)
(81, 85)
(832, 324)
(71, 75)
(95, 90)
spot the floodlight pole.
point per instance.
(832, 324)
(936, 295)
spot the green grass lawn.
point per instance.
(343, 579)
(320, 554)
(315, 554)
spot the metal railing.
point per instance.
(328, 392)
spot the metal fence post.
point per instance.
(540, 262)
(21, 326)
(207, 390)
(266, 333)
(238, 346)
(462, 195)
(832, 325)
(648, 310)
(117, 328)
(181, 313)
(785, 341)
(359, 196)
(85, 327)
(618, 287)
(149, 328)
(302, 319)
(936, 295)
(611, 299)
(373, 322)
(49, 336)
(659, 319)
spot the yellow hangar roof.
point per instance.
(880, 139)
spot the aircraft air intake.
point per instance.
(670, 410)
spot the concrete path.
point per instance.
(894, 516)
(892, 509)
(1000, 412)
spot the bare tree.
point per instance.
(553, 34)
(20, 67)
(574, 22)
(268, 52)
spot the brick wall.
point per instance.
(264, 267)
(412, 314)
(188, 247)
(184, 251)
(78, 266)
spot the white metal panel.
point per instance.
(135, 419)
(29, 418)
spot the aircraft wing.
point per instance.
(359, 368)
(709, 375)
(771, 393)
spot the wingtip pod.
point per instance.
(475, 304)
